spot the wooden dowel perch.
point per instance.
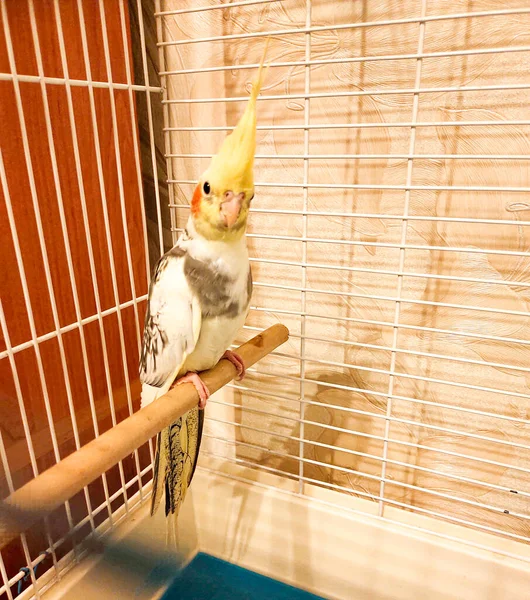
(51, 489)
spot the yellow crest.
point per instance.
(232, 168)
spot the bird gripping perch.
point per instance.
(59, 483)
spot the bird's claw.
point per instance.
(200, 386)
(237, 361)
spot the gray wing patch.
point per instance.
(213, 288)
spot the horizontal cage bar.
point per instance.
(354, 94)
(346, 26)
(222, 5)
(382, 217)
(367, 186)
(78, 82)
(363, 156)
(349, 60)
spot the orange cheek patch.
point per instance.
(196, 201)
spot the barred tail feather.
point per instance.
(175, 461)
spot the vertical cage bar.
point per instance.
(402, 250)
(117, 152)
(134, 128)
(3, 571)
(305, 196)
(138, 162)
(152, 146)
(163, 83)
(167, 134)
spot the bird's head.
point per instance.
(221, 201)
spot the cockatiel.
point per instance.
(199, 298)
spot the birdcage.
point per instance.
(383, 451)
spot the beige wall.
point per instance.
(367, 339)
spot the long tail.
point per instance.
(258, 82)
(175, 461)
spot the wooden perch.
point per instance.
(51, 489)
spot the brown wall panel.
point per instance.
(104, 342)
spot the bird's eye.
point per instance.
(206, 187)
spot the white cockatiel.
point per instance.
(198, 300)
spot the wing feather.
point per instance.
(172, 324)
(171, 331)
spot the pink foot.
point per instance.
(237, 361)
(202, 390)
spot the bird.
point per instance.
(199, 298)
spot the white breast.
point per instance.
(218, 332)
(216, 336)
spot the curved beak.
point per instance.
(231, 207)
